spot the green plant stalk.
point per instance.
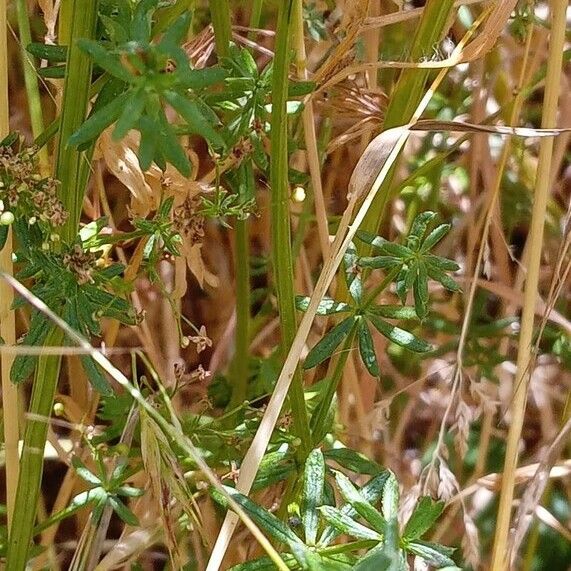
(243, 301)
(500, 554)
(220, 17)
(280, 221)
(409, 91)
(7, 317)
(220, 13)
(319, 417)
(32, 457)
(31, 80)
(72, 171)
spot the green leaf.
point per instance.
(442, 278)
(196, 121)
(393, 311)
(265, 564)
(354, 497)
(140, 28)
(123, 511)
(379, 262)
(434, 237)
(421, 297)
(267, 521)
(130, 115)
(327, 306)
(275, 467)
(95, 376)
(149, 141)
(397, 250)
(367, 349)
(313, 480)
(104, 59)
(371, 492)
(24, 365)
(399, 336)
(421, 223)
(354, 461)
(327, 345)
(84, 473)
(423, 518)
(171, 149)
(201, 78)
(433, 553)
(98, 122)
(390, 501)
(300, 88)
(49, 52)
(441, 263)
(374, 560)
(345, 524)
(371, 239)
(176, 33)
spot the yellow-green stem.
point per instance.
(280, 220)
(7, 321)
(220, 14)
(500, 555)
(31, 80)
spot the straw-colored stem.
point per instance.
(500, 555)
(7, 320)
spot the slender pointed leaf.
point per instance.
(327, 345)
(314, 478)
(345, 524)
(400, 336)
(367, 349)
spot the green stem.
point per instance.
(220, 17)
(409, 91)
(72, 170)
(280, 222)
(220, 13)
(32, 460)
(319, 417)
(31, 78)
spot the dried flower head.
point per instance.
(80, 263)
(201, 340)
(24, 192)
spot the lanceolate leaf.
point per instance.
(267, 521)
(390, 501)
(434, 237)
(423, 518)
(400, 336)
(105, 60)
(345, 524)
(327, 306)
(421, 291)
(433, 553)
(354, 461)
(98, 122)
(313, 480)
(190, 112)
(326, 346)
(354, 497)
(367, 349)
(371, 492)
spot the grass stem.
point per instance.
(500, 554)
